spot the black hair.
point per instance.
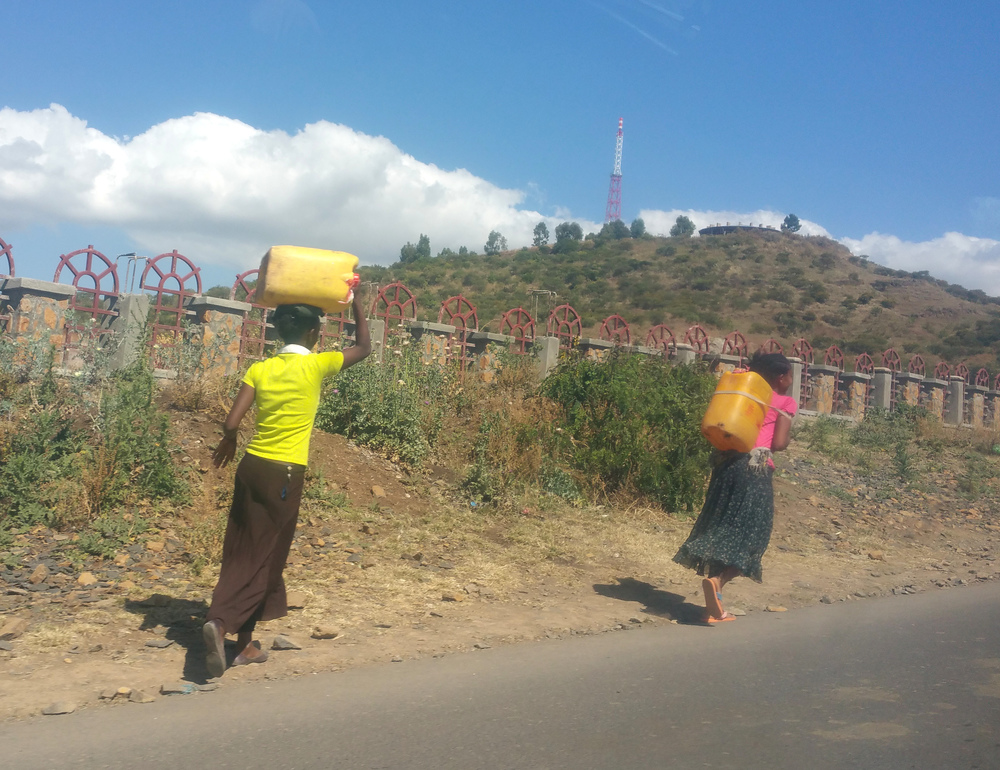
(770, 366)
(293, 322)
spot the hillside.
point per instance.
(763, 283)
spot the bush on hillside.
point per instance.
(631, 425)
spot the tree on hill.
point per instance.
(569, 231)
(791, 224)
(495, 243)
(541, 235)
(683, 228)
(219, 292)
(410, 253)
(616, 230)
(638, 228)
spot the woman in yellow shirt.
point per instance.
(268, 488)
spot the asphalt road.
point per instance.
(905, 682)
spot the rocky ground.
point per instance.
(388, 566)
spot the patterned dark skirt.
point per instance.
(734, 526)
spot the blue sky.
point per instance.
(220, 128)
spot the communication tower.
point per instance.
(614, 210)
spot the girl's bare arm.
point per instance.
(782, 433)
(362, 338)
(226, 449)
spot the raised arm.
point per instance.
(362, 337)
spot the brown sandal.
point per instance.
(244, 660)
(215, 648)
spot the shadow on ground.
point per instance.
(657, 601)
(180, 621)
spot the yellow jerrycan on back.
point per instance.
(291, 275)
(737, 411)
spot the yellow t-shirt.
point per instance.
(286, 392)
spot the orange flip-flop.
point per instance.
(725, 616)
(713, 597)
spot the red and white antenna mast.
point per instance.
(614, 210)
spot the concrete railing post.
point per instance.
(548, 354)
(881, 385)
(954, 412)
(129, 329)
(796, 390)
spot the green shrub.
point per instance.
(395, 407)
(632, 425)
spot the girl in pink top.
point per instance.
(734, 527)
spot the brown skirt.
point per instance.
(259, 534)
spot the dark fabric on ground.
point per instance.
(259, 534)
(734, 526)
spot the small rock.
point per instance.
(59, 707)
(108, 694)
(138, 696)
(446, 565)
(126, 585)
(86, 579)
(325, 632)
(876, 555)
(6, 646)
(775, 608)
(826, 600)
(377, 491)
(38, 576)
(296, 600)
(481, 646)
(354, 558)
(397, 659)
(207, 687)
(96, 648)
(121, 559)
(177, 688)
(123, 692)
(155, 546)
(737, 612)
(12, 629)
(453, 598)
(15, 591)
(160, 644)
(284, 643)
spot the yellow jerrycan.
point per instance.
(737, 411)
(291, 275)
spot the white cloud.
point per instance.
(963, 259)
(660, 222)
(221, 191)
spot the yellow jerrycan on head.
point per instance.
(737, 411)
(291, 275)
